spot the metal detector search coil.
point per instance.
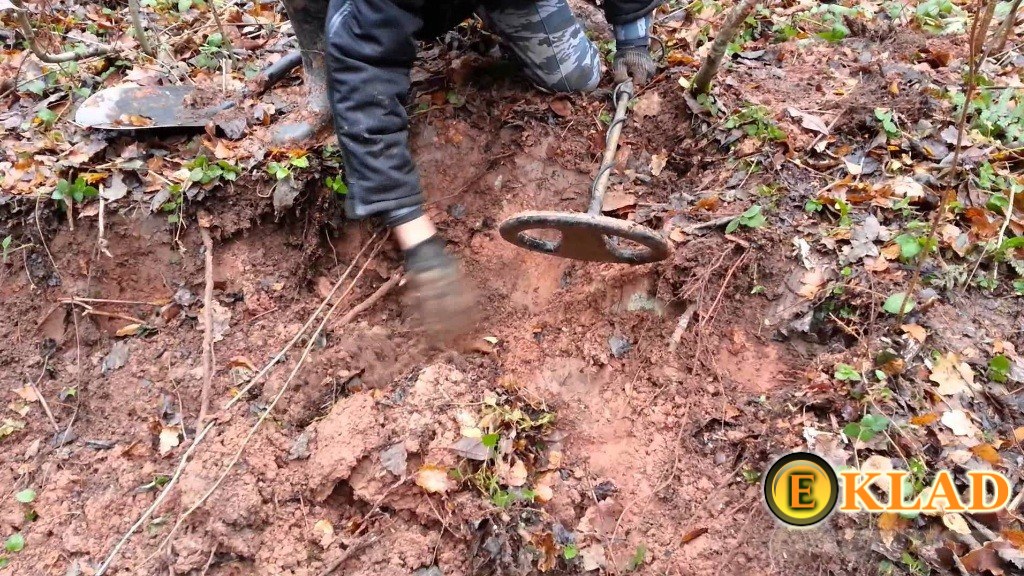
(590, 236)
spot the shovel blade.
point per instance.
(145, 107)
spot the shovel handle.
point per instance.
(622, 95)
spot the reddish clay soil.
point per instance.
(649, 441)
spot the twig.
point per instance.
(999, 242)
(209, 426)
(270, 408)
(972, 79)
(33, 44)
(733, 24)
(204, 397)
(709, 224)
(220, 28)
(370, 301)
(355, 547)
(725, 284)
(42, 239)
(140, 32)
(42, 399)
(1006, 28)
(684, 322)
(101, 241)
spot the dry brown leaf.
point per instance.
(981, 224)
(809, 121)
(709, 203)
(988, 453)
(889, 524)
(952, 375)
(323, 530)
(984, 560)
(129, 330)
(27, 393)
(561, 106)
(648, 105)
(960, 423)
(169, 438)
(433, 479)
(811, 283)
(915, 331)
(516, 475)
(658, 162)
(1018, 434)
(133, 120)
(881, 464)
(615, 201)
(924, 419)
(956, 523)
(1015, 537)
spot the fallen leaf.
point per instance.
(811, 283)
(915, 331)
(543, 490)
(988, 453)
(809, 121)
(241, 362)
(592, 557)
(925, 419)
(221, 320)
(1018, 434)
(615, 201)
(960, 423)
(471, 449)
(433, 479)
(1015, 537)
(324, 531)
(693, 534)
(889, 524)
(169, 438)
(981, 224)
(561, 106)
(129, 330)
(952, 375)
(133, 120)
(27, 393)
(956, 523)
(648, 105)
(658, 162)
(116, 189)
(882, 464)
(516, 475)
(394, 459)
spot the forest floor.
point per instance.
(601, 418)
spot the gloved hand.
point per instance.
(632, 51)
(442, 298)
(634, 62)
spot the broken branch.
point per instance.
(204, 397)
(43, 55)
(733, 24)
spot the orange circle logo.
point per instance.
(801, 489)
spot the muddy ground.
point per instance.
(625, 443)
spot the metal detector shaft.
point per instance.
(590, 236)
(623, 94)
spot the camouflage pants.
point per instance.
(549, 42)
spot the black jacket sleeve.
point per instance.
(626, 11)
(370, 51)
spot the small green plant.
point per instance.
(756, 121)
(999, 368)
(203, 172)
(813, 205)
(15, 543)
(1018, 287)
(282, 170)
(888, 120)
(6, 246)
(847, 373)
(870, 425)
(941, 17)
(46, 118)
(751, 218)
(73, 192)
(570, 551)
(26, 496)
(638, 559)
(910, 246)
(895, 301)
(337, 185)
(750, 475)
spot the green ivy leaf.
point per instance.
(910, 246)
(999, 368)
(490, 440)
(570, 551)
(847, 373)
(15, 542)
(300, 161)
(26, 496)
(893, 303)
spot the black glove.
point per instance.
(634, 62)
(439, 293)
